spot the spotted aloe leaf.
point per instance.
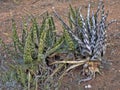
(24, 32)
(73, 18)
(51, 33)
(42, 27)
(22, 77)
(28, 49)
(17, 43)
(42, 41)
(56, 46)
(41, 46)
(72, 13)
(35, 31)
(69, 41)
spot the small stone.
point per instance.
(118, 70)
(113, 68)
(88, 86)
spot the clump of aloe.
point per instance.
(30, 53)
(88, 35)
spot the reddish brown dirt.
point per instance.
(110, 80)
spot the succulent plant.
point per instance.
(90, 34)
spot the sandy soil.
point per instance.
(110, 79)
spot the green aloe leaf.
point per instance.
(42, 27)
(41, 46)
(69, 41)
(16, 41)
(51, 34)
(73, 17)
(42, 42)
(28, 49)
(24, 32)
(35, 31)
(72, 12)
(69, 19)
(22, 76)
(56, 46)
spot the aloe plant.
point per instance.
(93, 33)
(37, 44)
(30, 51)
(90, 37)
